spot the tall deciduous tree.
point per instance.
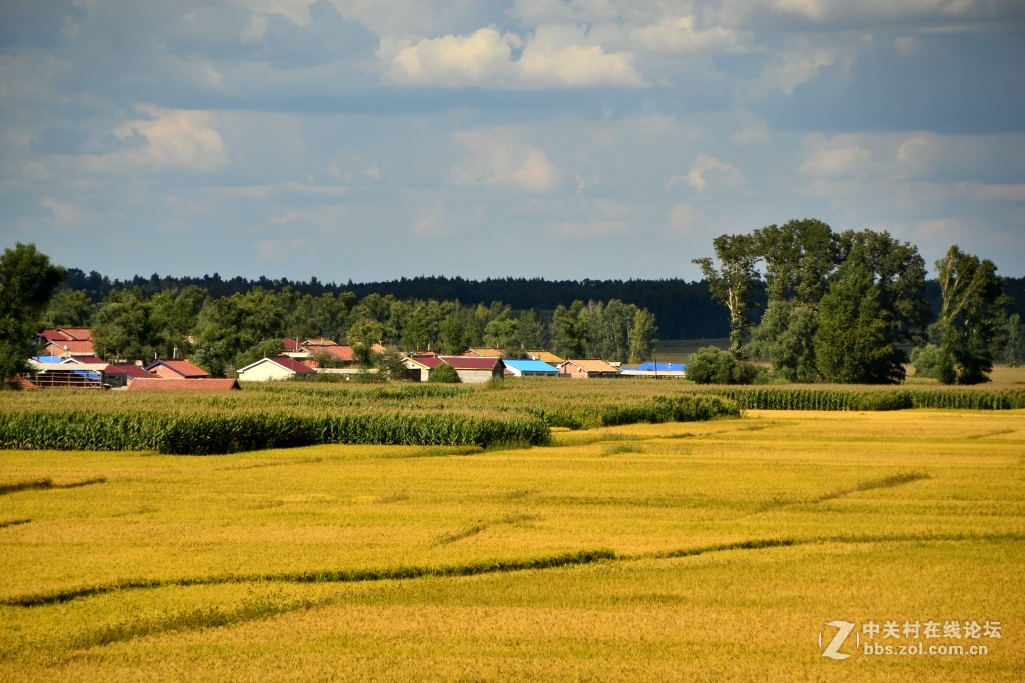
(642, 336)
(971, 317)
(734, 284)
(27, 282)
(853, 343)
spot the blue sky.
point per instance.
(373, 139)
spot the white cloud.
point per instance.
(705, 164)
(838, 161)
(298, 11)
(497, 158)
(794, 69)
(681, 221)
(168, 138)
(679, 35)
(551, 58)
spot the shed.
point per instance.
(655, 370)
(421, 366)
(274, 368)
(587, 368)
(176, 369)
(474, 370)
(205, 384)
(529, 368)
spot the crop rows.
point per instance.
(894, 399)
(233, 432)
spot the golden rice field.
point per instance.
(694, 552)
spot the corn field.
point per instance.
(777, 398)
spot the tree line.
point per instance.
(845, 307)
(222, 334)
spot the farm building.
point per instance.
(589, 368)
(474, 370)
(273, 368)
(546, 356)
(420, 366)
(529, 368)
(176, 369)
(649, 369)
(120, 374)
(486, 352)
(66, 341)
(205, 384)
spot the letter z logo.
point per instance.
(832, 650)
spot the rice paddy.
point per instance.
(713, 550)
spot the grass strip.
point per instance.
(327, 576)
(488, 566)
(46, 485)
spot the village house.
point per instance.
(475, 370)
(66, 342)
(591, 368)
(274, 368)
(546, 356)
(420, 366)
(176, 369)
(204, 384)
(529, 368)
(485, 352)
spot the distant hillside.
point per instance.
(683, 310)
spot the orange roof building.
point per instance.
(176, 369)
(157, 384)
(589, 368)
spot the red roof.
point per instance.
(21, 382)
(291, 344)
(471, 362)
(343, 353)
(53, 335)
(430, 361)
(320, 342)
(75, 348)
(158, 384)
(77, 333)
(130, 369)
(293, 365)
(182, 367)
(88, 359)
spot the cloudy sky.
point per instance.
(372, 139)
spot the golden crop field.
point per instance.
(700, 551)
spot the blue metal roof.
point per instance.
(47, 359)
(657, 367)
(527, 365)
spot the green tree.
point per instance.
(852, 343)
(444, 373)
(454, 339)
(971, 317)
(69, 308)
(416, 335)
(643, 334)
(502, 332)
(734, 284)
(531, 331)
(787, 336)
(711, 365)
(927, 360)
(122, 327)
(569, 330)
(27, 282)
(1014, 346)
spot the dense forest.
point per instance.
(684, 310)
